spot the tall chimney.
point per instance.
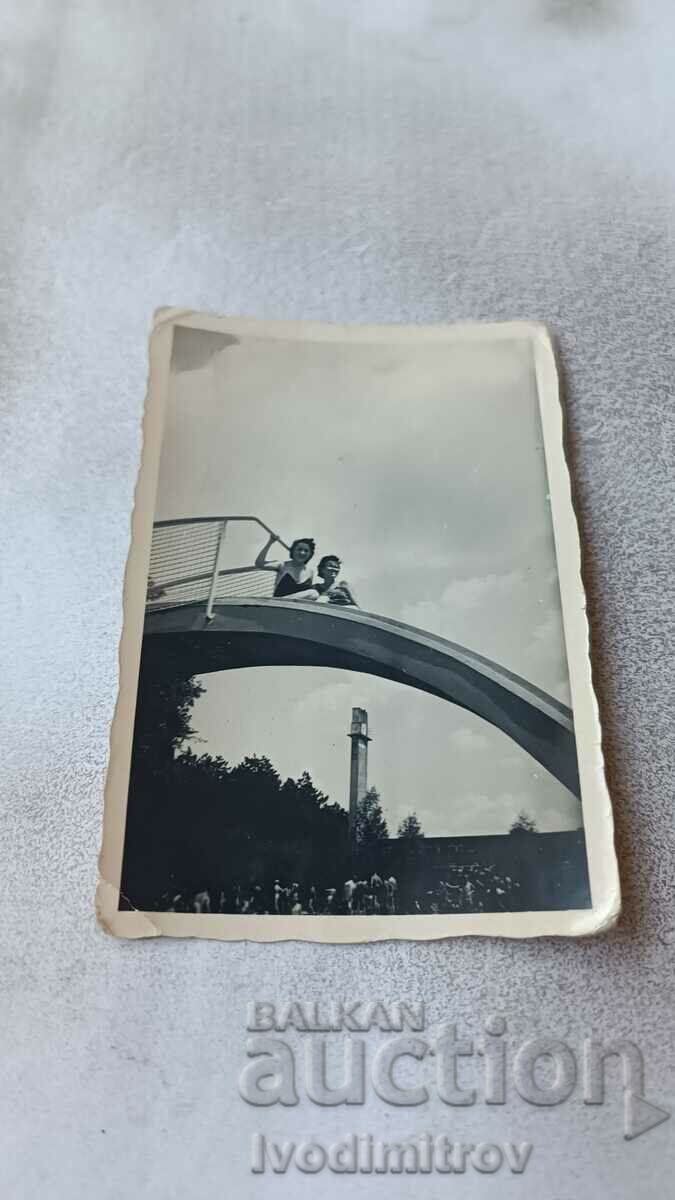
(358, 774)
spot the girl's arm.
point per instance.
(261, 561)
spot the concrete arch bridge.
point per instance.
(208, 620)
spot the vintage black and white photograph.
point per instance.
(356, 712)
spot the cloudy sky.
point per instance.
(422, 467)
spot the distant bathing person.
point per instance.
(294, 577)
(331, 589)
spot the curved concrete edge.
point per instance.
(520, 687)
(277, 633)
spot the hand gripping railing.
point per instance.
(185, 564)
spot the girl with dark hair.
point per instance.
(331, 589)
(294, 578)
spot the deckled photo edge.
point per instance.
(598, 825)
(595, 797)
(133, 924)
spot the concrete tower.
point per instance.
(358, 775)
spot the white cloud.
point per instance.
(512, 618)
(333, 698)
(468, 741)
(479, 591)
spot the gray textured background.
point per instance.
(396, 160)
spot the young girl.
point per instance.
(295, 579)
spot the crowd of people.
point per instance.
(471, 887)
(468, 888)
(356, 897)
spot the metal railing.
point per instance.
(185, 565)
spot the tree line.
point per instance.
(196, 820)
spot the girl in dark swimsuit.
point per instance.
(286, 586)
(294, 578)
